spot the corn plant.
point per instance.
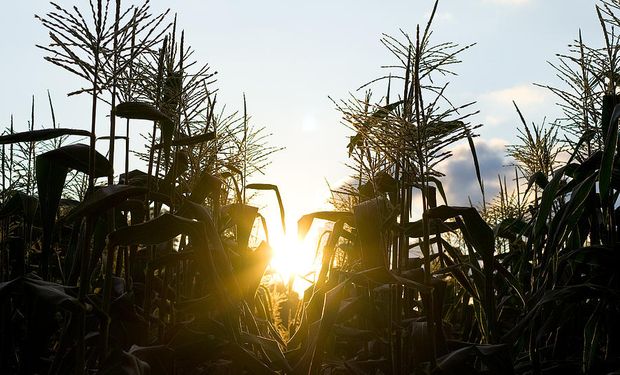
(160, 272)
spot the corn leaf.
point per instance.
(40, 135)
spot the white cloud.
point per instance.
(523, 95)
(492, 120)
(534, 102)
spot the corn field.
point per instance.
(106, 269)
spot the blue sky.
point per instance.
(288, 56)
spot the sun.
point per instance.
(294, 260)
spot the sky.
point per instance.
(289, 57)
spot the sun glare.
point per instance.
(294, 258)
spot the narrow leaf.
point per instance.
(41, 135)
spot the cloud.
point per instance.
(461, 184)
(533, 101)
(523, 95)
(492, 120)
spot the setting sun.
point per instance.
(294, 258)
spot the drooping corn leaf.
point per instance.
(140, 111)
(160, 190)
(206, 184)
(481, 234)
(147, 111)
(571, 212)
(20, 204)
(76, 156)
(251, 267)
(180, 165)
(546, 203)
(48, 293)
(135, 207)
(538, 178)
(609, 153)
(370, 218)
(313, 357)
(41, 135)
(103, 199)
(416, 228)
(190, 141)
(510, 228)
(242, 216)
(161, 229)
(51, 170)
(278, 197)
(218, 257)
(51, 293)
(305, 222)
(439, 187)
(133, 177)
(385, 183)
(479, 237)
(609, 103)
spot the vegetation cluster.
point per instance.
(159, 271)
